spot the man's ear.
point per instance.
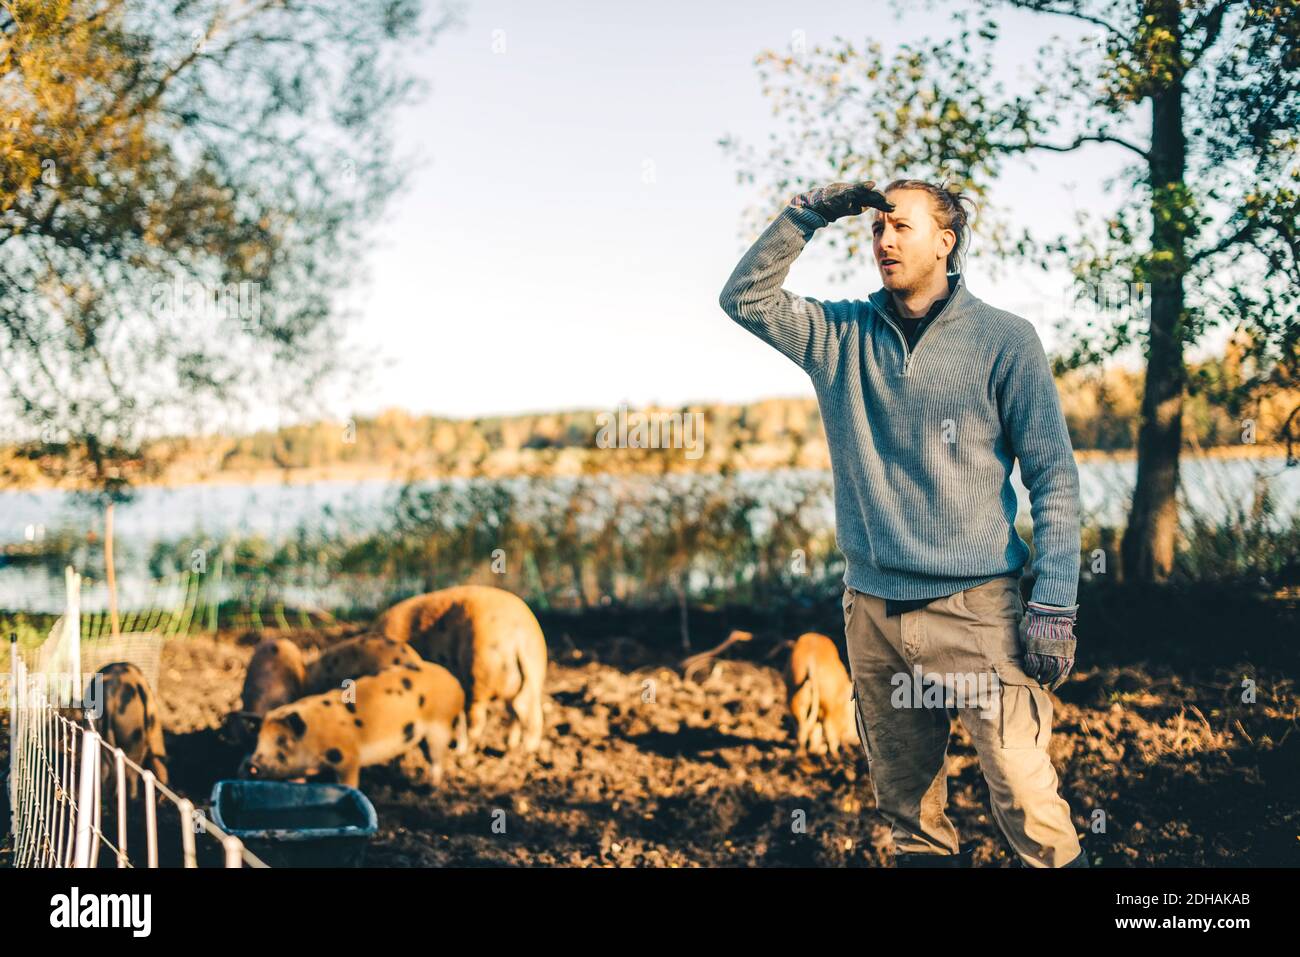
(947, 240)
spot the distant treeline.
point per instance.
(1100, 408)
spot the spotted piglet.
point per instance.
(380, 718)
(125, 713)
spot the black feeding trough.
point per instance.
(296, 825)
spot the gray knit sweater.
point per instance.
(922, 443)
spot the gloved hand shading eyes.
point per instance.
(843, 199)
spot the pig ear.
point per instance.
(252, 722)
(294, 720)
(240, 726)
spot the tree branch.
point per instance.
(1078, 141)
(1211, 22)
(1036, 7)
(1226, 243)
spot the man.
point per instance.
(927, 396)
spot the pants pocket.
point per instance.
(996, 600)
(847, 604)
(1025, 710)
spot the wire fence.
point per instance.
(61, 771)
(219, 597)
(169, 607)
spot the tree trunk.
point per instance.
(110, 571)
(1147, 549)
(683, 617)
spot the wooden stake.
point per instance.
(108, 568)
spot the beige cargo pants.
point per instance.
(961, 653)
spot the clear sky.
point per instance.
(530, 266)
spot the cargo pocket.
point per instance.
(1025, 709)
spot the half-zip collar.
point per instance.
(958, 300)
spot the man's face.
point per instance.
(910, 247)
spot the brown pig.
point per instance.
(820, 696)
(124, 711)
(380, 718)
(275, 676)
(491, 641)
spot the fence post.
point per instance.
(86, 797)
(11, 779)
(150, 820)
(97, 820)
(214, 609)
(234, 851)
(119, 766)
(187, 832)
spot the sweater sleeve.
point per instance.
(797, 326)
(1030, 409)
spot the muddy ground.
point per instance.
(642, 767)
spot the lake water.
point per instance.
(1213, 487)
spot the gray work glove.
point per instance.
(843, 199)
(1050, 643)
